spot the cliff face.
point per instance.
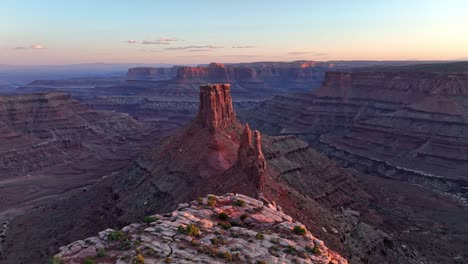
(216, 111)
(148, 73)
(392, 87)
(414, 123)
(259, 233)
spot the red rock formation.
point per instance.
(215, 109)
(250, 157)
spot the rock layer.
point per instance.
(230, 228)
(408, 126)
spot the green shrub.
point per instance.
(227, 256)
(259, 235)
(189, 230)
(89, 261)
(223, 216)
(101, 252)
(56, 260)
(149, 219)
(243, 217)
(212, 200)
(300, 230)
(225, 226)
(116, 235)
(239, 202)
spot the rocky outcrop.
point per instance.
(250, 157)
(214, 229)
(215, 111)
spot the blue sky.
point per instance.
(151, 31)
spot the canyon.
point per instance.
(407, 126)
(372, 161)
(216, 154)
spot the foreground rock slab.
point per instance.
(232, 228)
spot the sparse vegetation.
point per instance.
(259, 235)
(101, 252)
(56, 260)
(200, 200)
(138, 259)
(89, 261)
(189, 230)
(149, 219)
(300, 230)
(239, 202)
(195, 243)
(223, 216)
(225, 226)
(227, 256)
(168, 260)
(290, 249)
(212, 201)
(315, 250)
(261, 262)
(243, 217)
(116, 235)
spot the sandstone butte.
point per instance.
(232, 228)
(214, 229)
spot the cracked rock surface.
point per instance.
(232, 228)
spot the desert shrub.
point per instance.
(290, 249)
(56, 260)
(168, 260)
(223, 216)
(138, 259)
(189, 230)
(101, 252)
(259, 235)
(212, 200)
(225, 226)
(116, 235)
(243, 217)
(200, 200)
(261, 262)
(195, 243)
(89, 261)
(149, 219)
(239, 202)
(227, 256)
(300, 230)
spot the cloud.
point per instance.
(300, 53)
(164, 39)
(146, 42)
(207, 47)
(32, 47)
(243, 47)
(131, 41)
(200, 50)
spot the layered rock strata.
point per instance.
(215, 111)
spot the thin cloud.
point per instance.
(146, 42)
(207, 47)
(164, 39)
(32, 47)
(131, 41)
(300, 52)
(243, 47)
(200, 50)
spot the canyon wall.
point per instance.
(408, 126)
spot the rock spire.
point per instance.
(250, 156)
(215, 110)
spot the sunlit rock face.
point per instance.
(215, 111)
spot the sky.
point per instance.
(203, 31)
